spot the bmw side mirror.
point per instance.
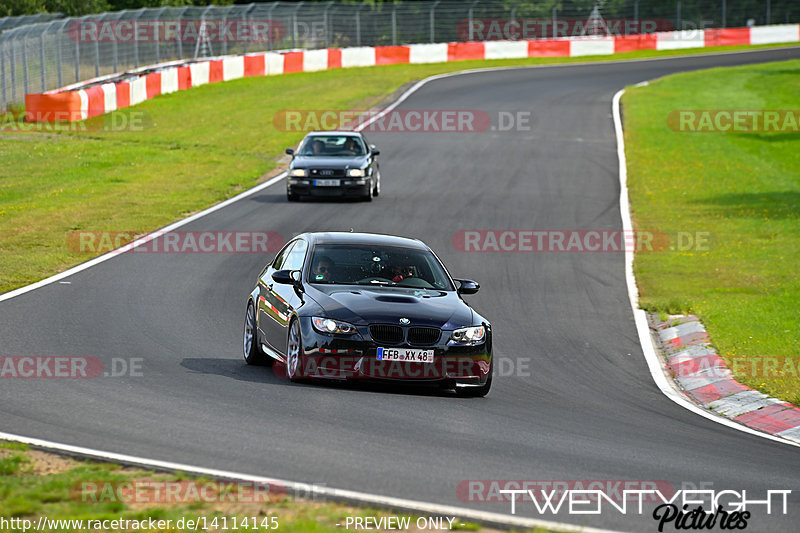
(467, 286)
(284, 277)
(375, 151)
(290, 152)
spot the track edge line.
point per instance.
(333, 494)
(655, 364)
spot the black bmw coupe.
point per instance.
(366, 306)
(333, 163)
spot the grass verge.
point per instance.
(743, 190)
(188, 150)
(36, 484)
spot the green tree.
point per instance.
(117, 5)
(13, 8)
(74, 8)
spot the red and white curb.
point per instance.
(387, 502)
(689, 334)
(104, 95)
(705, 378)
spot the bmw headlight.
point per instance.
(355, 173)
(332, 327)
(470, 335)
(298, 172)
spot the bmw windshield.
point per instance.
(354, 264)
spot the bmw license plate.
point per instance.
(327, 183)
(412, 355)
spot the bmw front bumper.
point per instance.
(355, 357)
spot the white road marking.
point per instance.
(138, 242)
(654, 362)
(341, 495)
(657, 371)
(409, 92)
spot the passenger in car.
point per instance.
(402, 272)
(351, 146)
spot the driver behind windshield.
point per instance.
(352, 147)
(323, 268)
(360, 265)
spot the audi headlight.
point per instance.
(332, 327)
(471, 335)
(298, 172)
(355, 173)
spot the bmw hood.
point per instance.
(367, 305)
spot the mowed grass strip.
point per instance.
(189, 150)
(35, 484)
(743, 189)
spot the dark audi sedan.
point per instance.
(333, 164)
(366, 306)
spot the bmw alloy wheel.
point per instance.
(294, 348)
(252, 353)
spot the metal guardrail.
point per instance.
(42, 56)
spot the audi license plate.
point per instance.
(405, 354)
(327, 183)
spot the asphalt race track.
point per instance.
(585, 407)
